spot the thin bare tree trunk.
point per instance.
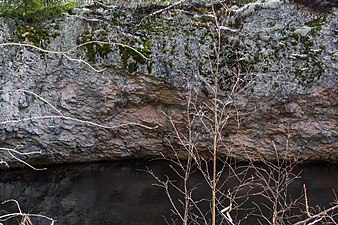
(216, 129)
(213, 195)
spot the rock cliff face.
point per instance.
(280, 57)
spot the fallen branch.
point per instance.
(316, 216)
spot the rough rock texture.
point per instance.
(282, 55)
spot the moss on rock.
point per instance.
(36, 35)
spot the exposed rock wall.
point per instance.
(286, 55)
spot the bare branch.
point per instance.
(67, 52)
(25, 216)
(160, 11)
(10, 151)
(316, 216)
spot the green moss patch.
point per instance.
(34, 34)
(94, 50)
(307, 63)
(34, 11)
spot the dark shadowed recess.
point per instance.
(122, 193)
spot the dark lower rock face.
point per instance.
(281, 58)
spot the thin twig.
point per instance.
(160, 11)
(80, 121)
(10, 151)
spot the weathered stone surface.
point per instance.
(287, 56)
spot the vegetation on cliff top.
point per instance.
(34, 10)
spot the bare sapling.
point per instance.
(207, 117)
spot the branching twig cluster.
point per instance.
(273, 180)
(25, 217)
(207, 118)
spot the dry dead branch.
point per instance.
(25, 217)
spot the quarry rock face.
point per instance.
(121, 95)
